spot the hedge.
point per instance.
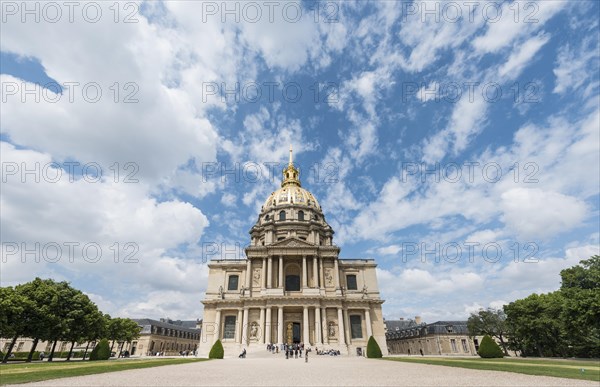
(373, 350)
(217, 351)
(489, 348)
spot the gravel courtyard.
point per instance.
(275, 370)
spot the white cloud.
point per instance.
(520, 58)
(538, 214)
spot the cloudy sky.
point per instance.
(456, 143)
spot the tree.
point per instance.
(101, 351)
(536, 326)
(581, 313)
(373, 350)
(96, 328)
(14, 316)
(131, 331)
(82, 312)
(216, 352)
(42, 320)
(491, 322)
(489, 348)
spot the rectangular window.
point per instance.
(20, 346)
(356, 327)
(464, 345)
(351, 282)
(453, 345)
(229, 329)
(233, 282)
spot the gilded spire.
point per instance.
(291, 173)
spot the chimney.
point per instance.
(418, 320)
(401, 318)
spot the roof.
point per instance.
(436, 328)
(394, 325)
(186, 325)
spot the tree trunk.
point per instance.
(30, 356)
(10, 347)
(503, 345)
(51, 356)
(86, 349)
(111, 346)
(70, 351)
(120, 349)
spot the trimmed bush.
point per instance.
(489, 349)
(373, 350)
(101, 351)
(216, 352)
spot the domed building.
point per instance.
(292, 287)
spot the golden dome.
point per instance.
(291, 191)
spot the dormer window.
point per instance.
(267, 218)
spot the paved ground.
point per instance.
(275, 370)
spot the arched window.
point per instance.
(300, 215)
(282, 215)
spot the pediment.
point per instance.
(293, 242)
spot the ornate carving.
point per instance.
(329, 277)
(331, 331)
(256, 277)
(254, 330)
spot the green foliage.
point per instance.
(490, 322)
(562, 323)
(101, 351)
(373, 350)
(216, 352)
(489, 349)
(23, 355)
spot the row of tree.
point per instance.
(46, 310)
(562, 323)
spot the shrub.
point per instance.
(489, 348)
(373, 350)
(216, 352)
(101, 351)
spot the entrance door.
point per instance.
(296, 333)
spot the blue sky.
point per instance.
(371, 96)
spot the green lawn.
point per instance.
(33, 372)
(571, 369)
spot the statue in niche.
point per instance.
(331, 330)
(221, 294)
(365, 292)
(254, 330)
(256, 277)
(328, 277)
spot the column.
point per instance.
(239, 327)
(368, 322)
(280, 325)
(304, 282)
(248, 276)
(305, 337)
(342, 331)
(218, 326)
(262, 326)
(263, 280)
(337, 273)
(318, 326)
(280, 283)
(270, 272)
(321, 273)
(315, 273)
(347, 326)
(245, 328)
(324, 327)
(267, 335)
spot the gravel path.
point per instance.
(319, 371)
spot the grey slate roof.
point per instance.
(436, 328)
(185, 326)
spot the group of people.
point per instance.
(330, 352)
(294, 350)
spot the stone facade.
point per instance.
(410, 337)
(165, 336)
(292, 286)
